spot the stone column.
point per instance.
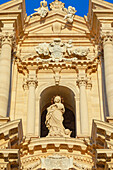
(32, 84)
(82, 82)
(108, 64)
(5, 69)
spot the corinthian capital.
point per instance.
(7, 38)
(107, 37)
(83, 80)
(30, 81)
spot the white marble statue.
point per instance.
(70, 14)
(42, 10)
(54, 119)
(69, 47)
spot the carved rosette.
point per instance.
(7, 38)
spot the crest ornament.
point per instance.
(57, 49)
(56, 5)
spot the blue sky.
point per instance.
(80, 5)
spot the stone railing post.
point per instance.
(82, 82)
(108, 65)
(31, 82)
(5, 70)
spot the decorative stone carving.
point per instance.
(57, 49)
(107, 37)
(57, 161)
(54, 119)
(7, 38)
(69, 47)
(81, 166)
(56, 5)
(33, 165)
(70, 14)
(30, 81)
(42, 10)
(42, 49)
(81, 51)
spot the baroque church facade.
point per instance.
(56, 87)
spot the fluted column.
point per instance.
(82, 82)
(31, 112)
(108, 64)
(5, 69)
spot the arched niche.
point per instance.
(69, 102)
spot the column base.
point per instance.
(109, 120)
(4, 120)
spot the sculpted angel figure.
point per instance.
(70, 14)
(43, 10)
(54, 119)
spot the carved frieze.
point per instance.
(59, 51)
(81, 51)
(57, 161)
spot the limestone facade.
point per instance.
(54, 52)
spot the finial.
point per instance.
(56, 5)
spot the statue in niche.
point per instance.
(42, 10)
(54, 119)
(70, 14)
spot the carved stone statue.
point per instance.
(69, 47)
(54, 119)
(42, 10)
(70, 14)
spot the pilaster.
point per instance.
(7, 37)
(82, 83)
(31, 82)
